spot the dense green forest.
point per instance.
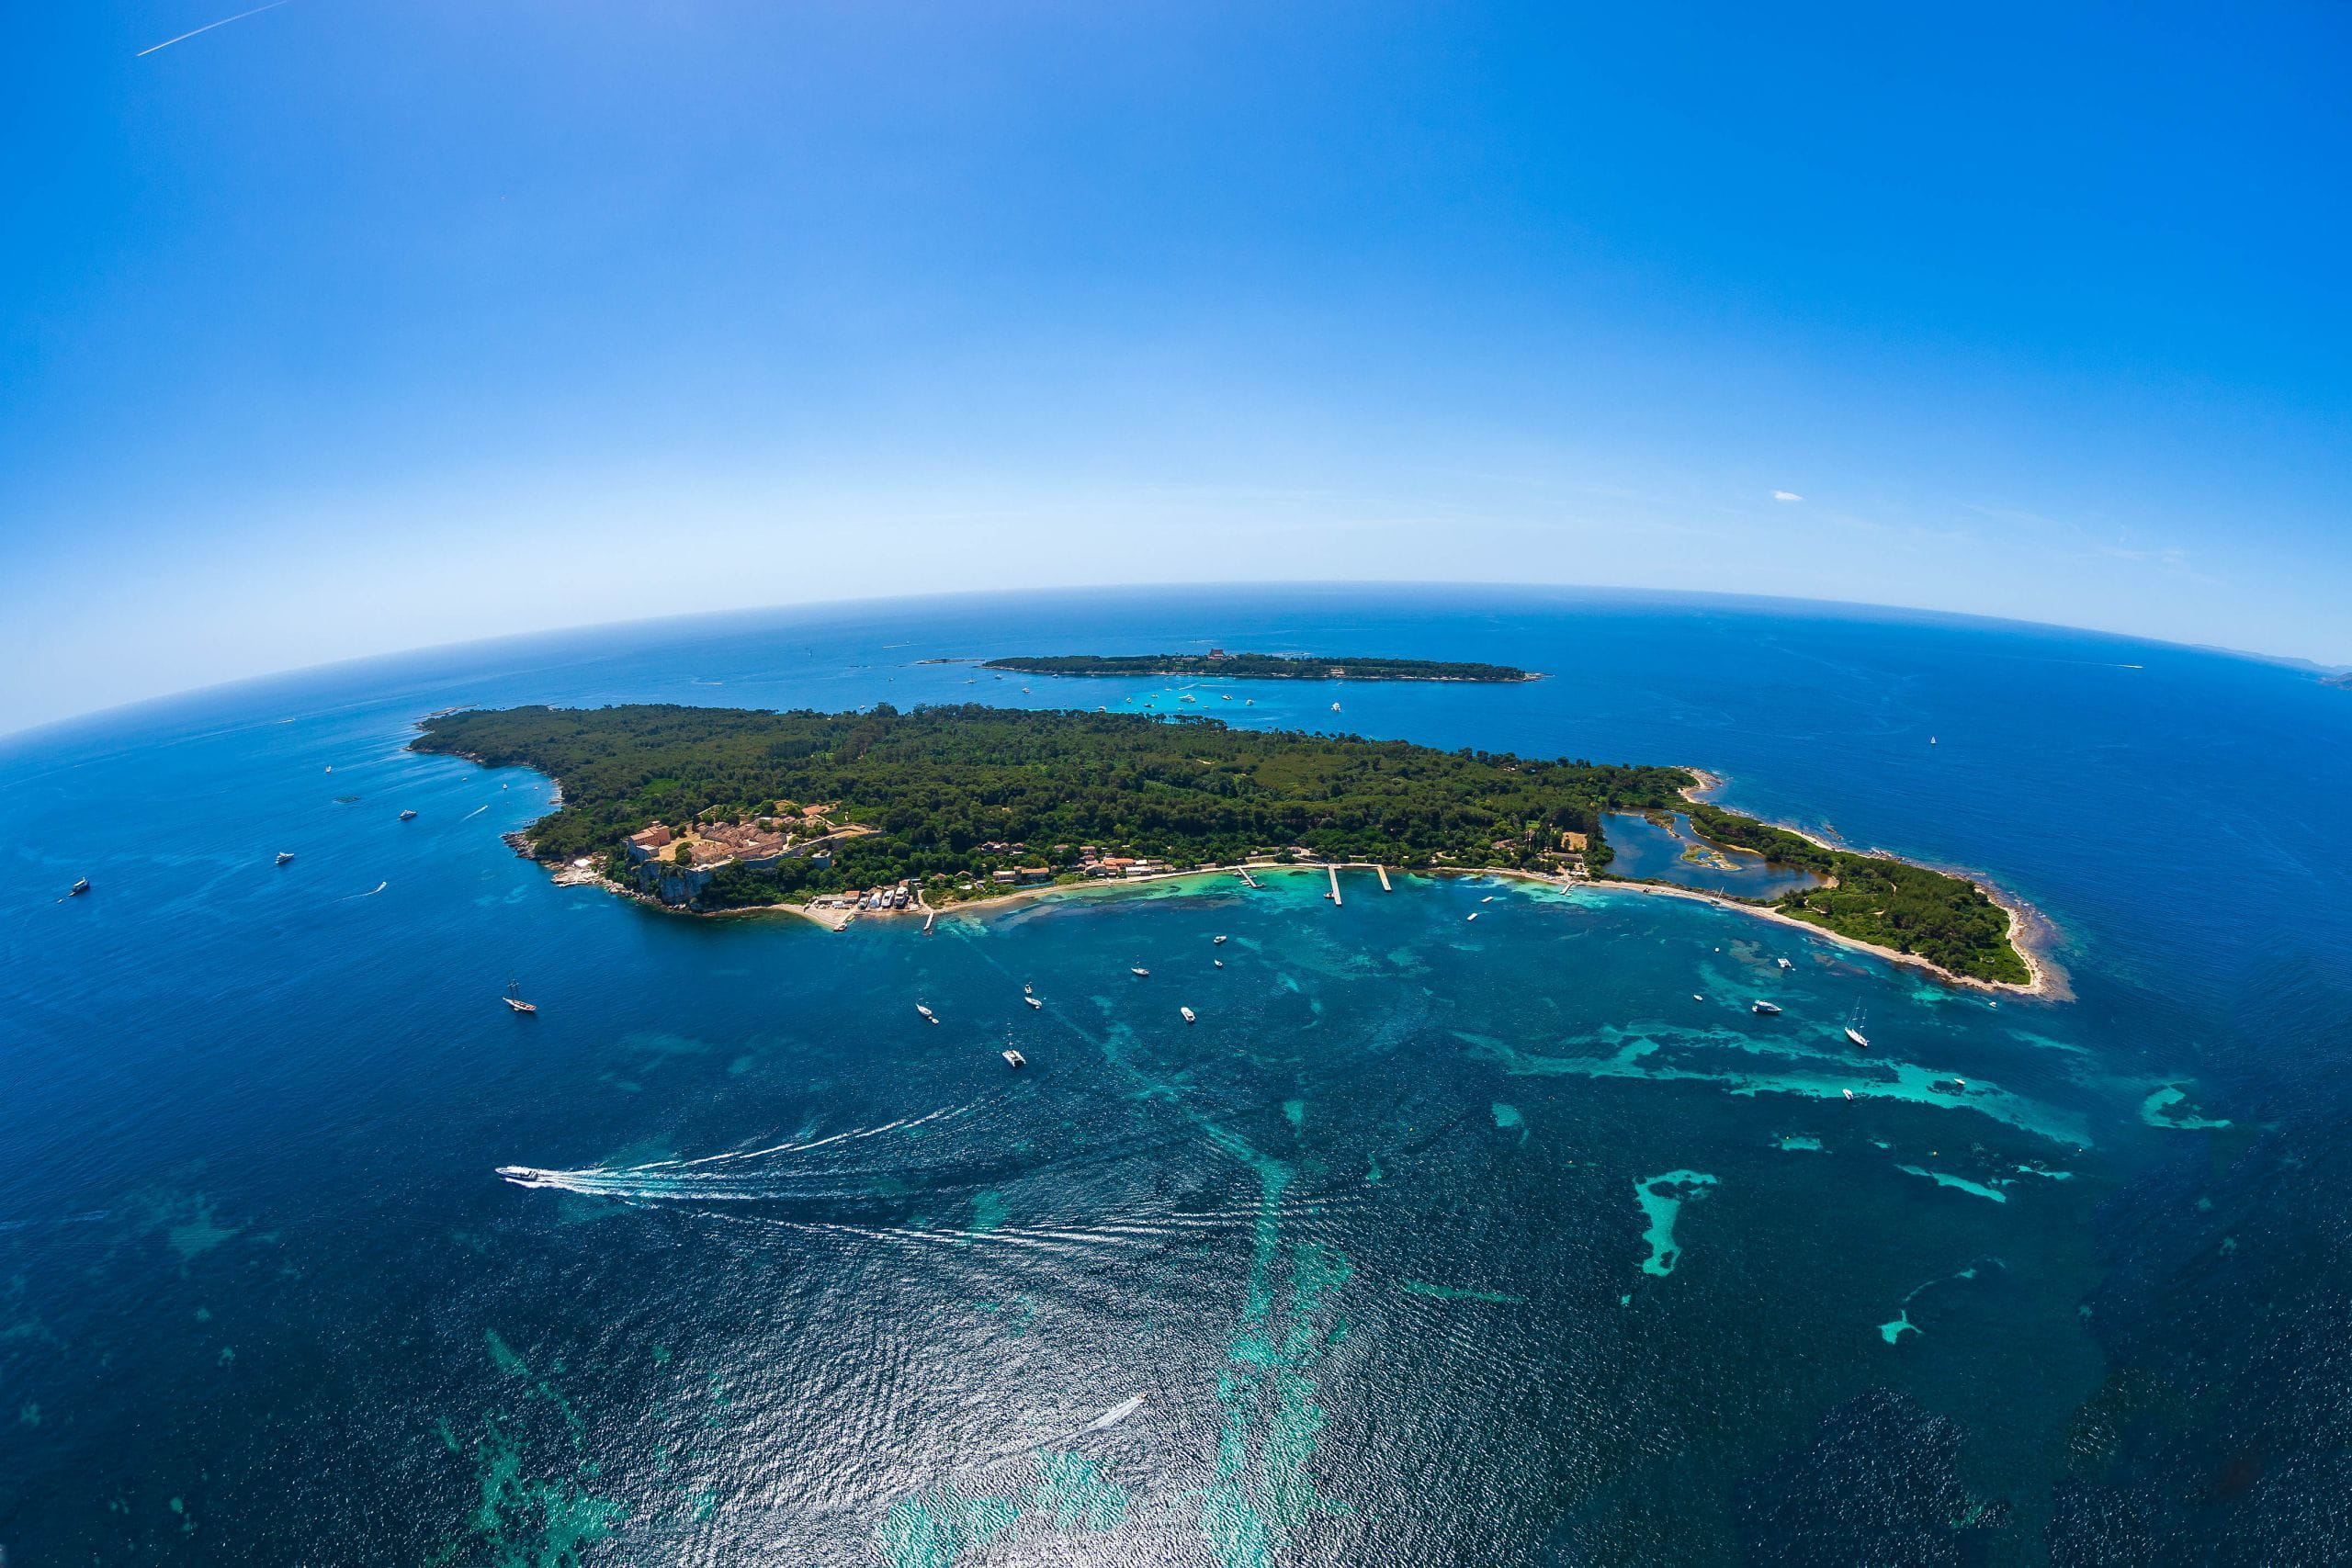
(1258, 667)
(960, 792)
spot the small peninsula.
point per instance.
(1220, 665)
(714, 810)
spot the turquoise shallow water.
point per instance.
(1520, 1240)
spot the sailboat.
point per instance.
(514, 998)
(1141, 973)
(1854, 1032)
(928, 1016)
(1033, 1001)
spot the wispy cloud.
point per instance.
(1786, 495)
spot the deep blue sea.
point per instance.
(1520, 1240)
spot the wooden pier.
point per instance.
(1384, 879)
(1336, 899)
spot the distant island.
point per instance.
(715, 809)
(1224, 666)
(2342, 678)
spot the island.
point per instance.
(2342, 679)
(1220, 665)
(723, 809)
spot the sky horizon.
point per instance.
(343, 329)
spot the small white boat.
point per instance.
(1188, 1017)
(515, 1001)
(1033, 1001)
(1335, 707)
(928, 1016)
(1696, 997)
(1858, 1037)
(1786, 964)
(285, 855)
(1013, 1058)
(1140, 972)
(1216, 942)
(408, 816)
(1850, 1094)
(1218, 961)
(1769, 1009)
(1473, 915)
(1487, 899)
(1026, 987)
(78, 888)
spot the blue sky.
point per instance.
(356, 325)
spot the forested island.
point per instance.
(720, 808)
(1224, 666)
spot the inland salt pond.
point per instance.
(1663, 847)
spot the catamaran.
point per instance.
(1013, 1058)
(514, 998)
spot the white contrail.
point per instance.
(208, 27)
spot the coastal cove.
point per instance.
(728, 1253)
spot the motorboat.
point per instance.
(1216, 942)
(78, 888)
(1141, 973)
(408, 816)
(284, 856)
(1218, 961)
(1473, 915)
(1769, 1009)
(1188, 1017)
